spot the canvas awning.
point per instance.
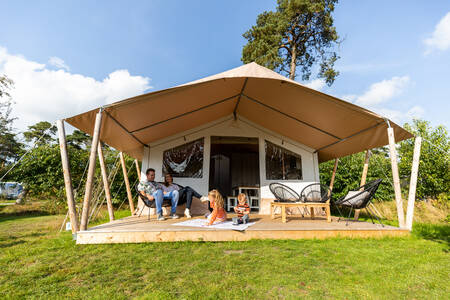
(333, 127)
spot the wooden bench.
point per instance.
(310, 205)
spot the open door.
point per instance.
(234, 163)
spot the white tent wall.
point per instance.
(228, 126)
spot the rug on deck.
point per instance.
(227, 225)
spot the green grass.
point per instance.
(38, 262)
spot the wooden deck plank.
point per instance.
(139, 230)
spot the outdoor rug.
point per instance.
(227, 225)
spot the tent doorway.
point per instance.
(234, 163)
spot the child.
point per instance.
(242, 210)
(218, 214)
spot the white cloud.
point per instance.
(43, 94)
(58, 63)
(316, 84)
(440, 38)
(383, 91)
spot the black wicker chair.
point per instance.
(315, 192)
(150, 203)
(360, 199)
(283, 193)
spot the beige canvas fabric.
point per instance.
(333, 127)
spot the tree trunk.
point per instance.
(293, 59)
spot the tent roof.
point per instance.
(333, 127)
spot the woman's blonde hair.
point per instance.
(218, 199)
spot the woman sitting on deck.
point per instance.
(185, 193)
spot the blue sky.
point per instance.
(70, 56)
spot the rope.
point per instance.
(126, 198)
(98, 207)
(23, 155)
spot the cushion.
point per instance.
(356, 201)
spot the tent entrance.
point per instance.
(234, 164)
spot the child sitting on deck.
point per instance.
(218, 214)
(242, 210)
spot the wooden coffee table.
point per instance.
(310, 205)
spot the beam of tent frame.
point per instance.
(123, 127)
(127, 183)
(289, 116)
(363, 177)
(185, 114)
(105, 182)
(349, 137)
(91, 170)
(413, 183)
(67, 177)
(333, 175)
(239, 99)
(138, 170)
(395, 176)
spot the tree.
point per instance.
(434, 165)
(298, 33)
(349, 171)
(40, 133)
(9, 146)
(78, 139)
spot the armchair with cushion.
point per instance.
(360, 199)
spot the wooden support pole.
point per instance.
(363, 178)
(413, 183)
(138, 170)
(105, 182)
(127, 183)
(396, 178)
(67, 176)
(91, 171)
(333, 175)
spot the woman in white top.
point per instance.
(185, 193)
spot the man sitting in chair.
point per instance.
(154, 191)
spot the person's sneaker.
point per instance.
(207, 214)
(204, 198)
(187, 213)
(161, 217)
(174, 216)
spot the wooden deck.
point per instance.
(140, 230)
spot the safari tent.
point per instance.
(245, 127)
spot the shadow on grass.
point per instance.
(8, 216)
(434, 232)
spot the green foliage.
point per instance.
(5, 85)
(78, 139)
(9, 146)
(41, 171)
(40, 133)
(348, 175)
(298, 33)
(434, 166)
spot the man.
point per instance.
(153, 191)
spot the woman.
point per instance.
(185, 193)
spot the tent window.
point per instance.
(282, 164)
(185, 160)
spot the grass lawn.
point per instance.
(38, 262)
